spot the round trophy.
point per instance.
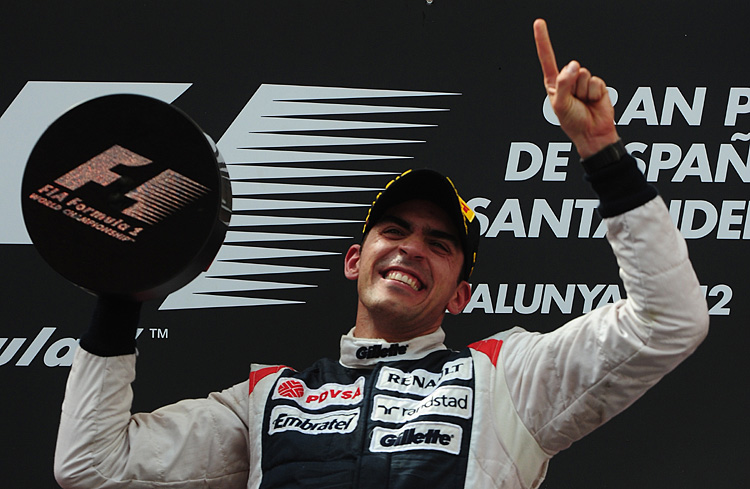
(124, 195)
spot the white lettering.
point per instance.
(738, 103)
(695, 163)
(728, 218)
(728, 154)
(542, 298)
(554, 160)
(541, 211)
(689, 218)
(576, 299)
(674, 98)
(664, 156)
(509, 218)
(58, 354)
(641, 98)
(512, 172)
(696, 219)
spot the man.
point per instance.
(399, 409)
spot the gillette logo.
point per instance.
(444, 437)
(377, 351)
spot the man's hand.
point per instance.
(580, 101)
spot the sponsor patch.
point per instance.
(288, 418)
(380, 351)
(445, 401)
(326, 395)
(422, 382)
(444, 437)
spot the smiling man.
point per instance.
(398, 409)
(419, 247)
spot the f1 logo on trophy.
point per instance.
(124, 195)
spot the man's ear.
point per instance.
(351, 262)
(460, 298)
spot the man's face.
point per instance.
(408, 268)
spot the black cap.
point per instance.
(432, 186)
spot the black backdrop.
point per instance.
(680, 70)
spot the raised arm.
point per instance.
(566, 383)
(580, 100)
(192, 444)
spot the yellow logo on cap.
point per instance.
(466, 210)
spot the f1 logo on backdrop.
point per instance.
(262, 143)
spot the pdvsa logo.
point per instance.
(444, 437)
(326, 395)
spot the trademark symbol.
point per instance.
(159, 334)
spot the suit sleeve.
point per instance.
(197, 443)
(566, 383)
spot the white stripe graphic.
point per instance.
(248, 237)
(268, 150)
(246, 204)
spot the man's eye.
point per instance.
(393, 231)
(441, 246)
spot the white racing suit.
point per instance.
(412, 414)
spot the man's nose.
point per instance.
(413, 246)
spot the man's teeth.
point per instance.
(403, 278)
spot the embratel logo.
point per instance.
(444, 437)
(286, 418)
(326, 395)
(445, 401)
(155, 199)
(378, 351)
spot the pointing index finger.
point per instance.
(545, 52)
